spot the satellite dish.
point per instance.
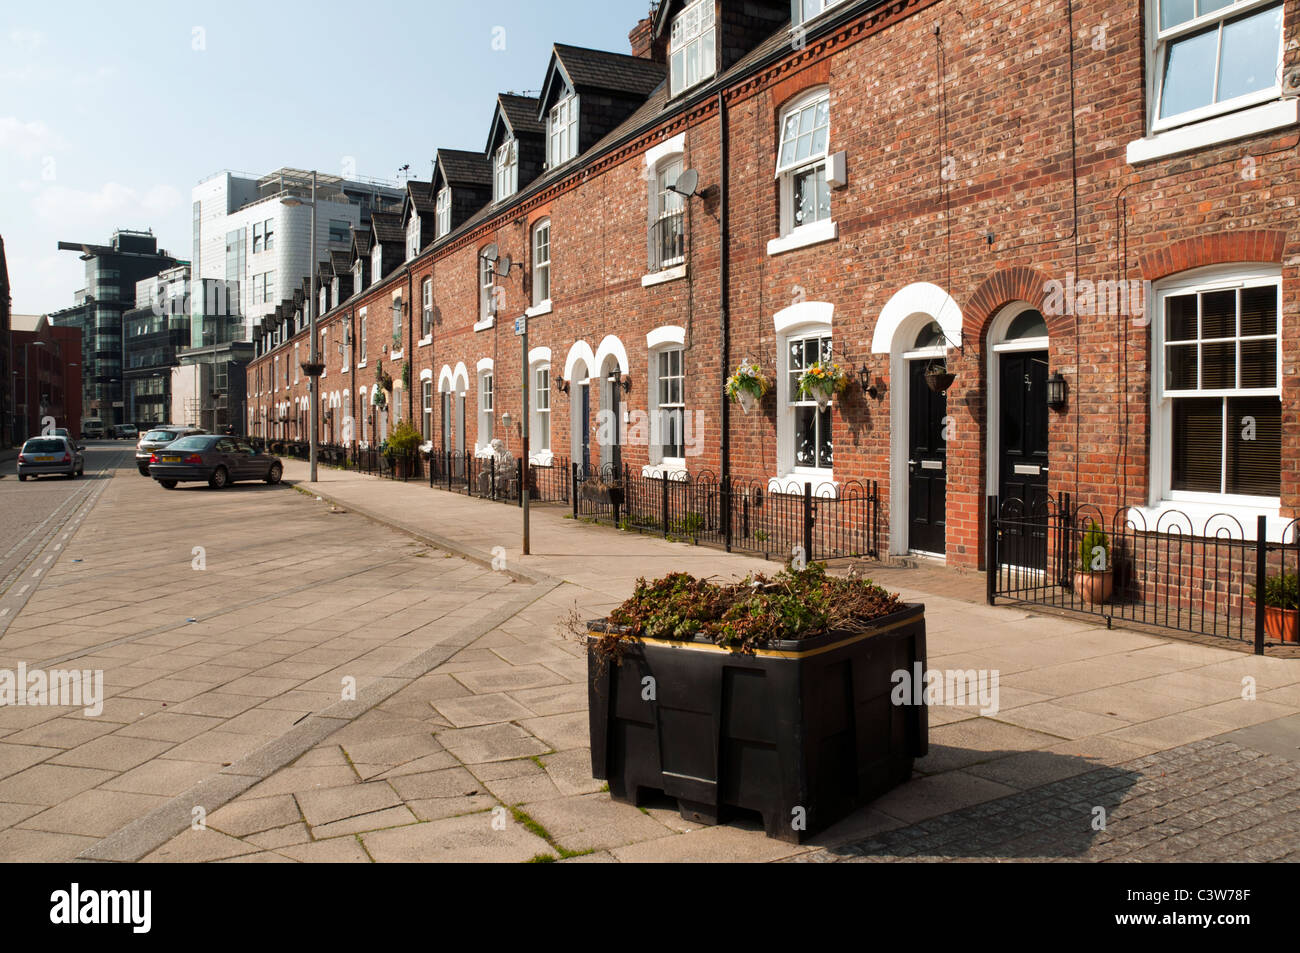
(504, 264)
(687, 183)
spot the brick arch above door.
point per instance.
(1251, 245)
(1008, 285)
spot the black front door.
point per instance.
(615, 404)
(1022, 460)
(927, 464)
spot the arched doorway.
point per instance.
(1017, 432)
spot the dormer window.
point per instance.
(693, 50)
(444, 212)
(324, 300)
(804, 10)
(358, 271)
(376, 263)
(413, 236)
(334, 288)
(562, 131)
(505, 169)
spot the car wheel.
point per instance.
(273, 475)
(22, 478)
(168, 484)
(219, 479)
(144, 471)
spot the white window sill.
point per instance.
(539, 309)
(396, 355)
(1212, 132)
(674, 471)
(803, 236)
(661, 277)
(544, 458)
(485, 324)
(363, 365)
(792, 484)
(424, 341)
(1236, 520)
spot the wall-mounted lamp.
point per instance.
(561, 385)
(869, 389)
(1056, 391)
(505, 419)
(626, 382)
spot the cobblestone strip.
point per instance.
(1205, 801)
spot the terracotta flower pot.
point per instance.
(1094, 588)
(1282, 624)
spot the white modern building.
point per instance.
(256, 231)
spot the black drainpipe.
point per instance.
(724, 317)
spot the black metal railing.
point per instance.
(1198, 576)
(668, 241)
(785, 521)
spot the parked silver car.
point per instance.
(42, 456)
(155, 439)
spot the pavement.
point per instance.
(376, 673)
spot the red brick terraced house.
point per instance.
(1082, 213)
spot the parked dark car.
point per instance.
(125, 432)
(156, 439)
(43, 456)
(216, 459)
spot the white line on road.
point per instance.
(25, 586)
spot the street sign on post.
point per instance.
(521, 329)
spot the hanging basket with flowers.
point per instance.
(747, 385)
(821, 381)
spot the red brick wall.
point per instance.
(987, 159)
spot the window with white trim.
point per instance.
(426, 309)
(413, 236)
(692, 47)
(358, 273)
(562, 131)
(541, 262)
(1212, 56)
(540, 428)
(324, 349)
(485, 404)
(668, 433)
(804, 10)
(1219, 390)
(376, 263)
(361, 347)
(397, 323)
(444, 211)
(487, 263)
(810, 432)
(801, 161)
(667, 217)
(427, 421)
(505, 170)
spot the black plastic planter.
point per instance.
(803, 732)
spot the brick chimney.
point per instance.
(643, 42)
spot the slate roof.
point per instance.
(522, 114)
(341, 261)
(388, 228)
(361, 239)
(420, 194)
(612, 72)
(459, 167)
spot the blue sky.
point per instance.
(111, 113)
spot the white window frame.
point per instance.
(562, 131)
(487, 283)
(505, 170)
(541, 266)
(819, 230)
(696, 24)
(664, 205)
(426, 420)
(1162, 498)
(1158, 42)
(376, 263)
(361, 346)
(444, 211)
(426, 311)
(324, 349)
(486, 405)
(656, 455)
(806, 11)
(540, 398)
(804, 320)
(413, 236)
